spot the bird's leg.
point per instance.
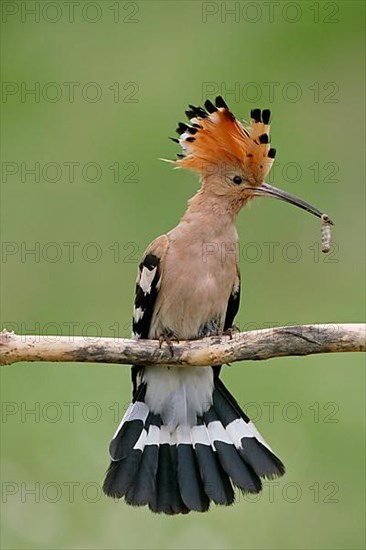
(168, 337)
(230, 331)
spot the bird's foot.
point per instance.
(230, 331)
(168, 338)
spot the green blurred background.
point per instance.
(148, 60)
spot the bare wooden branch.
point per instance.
(216, 350)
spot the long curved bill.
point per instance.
(269, 191)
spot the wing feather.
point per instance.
(233, 303)
(147, 288)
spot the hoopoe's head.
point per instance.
(233, 159)
(221, 149)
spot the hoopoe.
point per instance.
(184, 440)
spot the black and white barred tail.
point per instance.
(174, 473)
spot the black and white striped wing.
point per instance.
(233, 303)
(231, 311)
(147, 287)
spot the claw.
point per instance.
(168, 340)
(229, 331)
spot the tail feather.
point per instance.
(178, 505)
(176, 470)
(189, 479)
(230, 399)
(241, 473)
(167, 498)
(261, 459)
(216, 482)
(126, 448)
(250, 444)
(120, 475)
(130, 428)
(143, 488)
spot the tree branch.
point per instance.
(215, 350)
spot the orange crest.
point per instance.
(214, 138)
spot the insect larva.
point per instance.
(326, 236)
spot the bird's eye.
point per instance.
(237, 180)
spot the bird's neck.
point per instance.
(223, 208)
(212, 215)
